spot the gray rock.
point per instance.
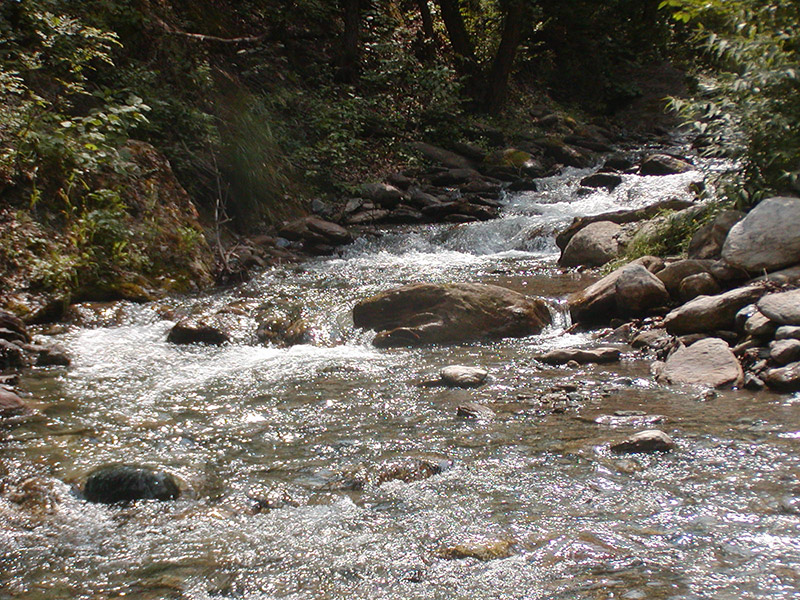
(663, 164)
(701, 284)
(652, 338)
(651, 440)
(455, 177)
(707, 362)
(759, 326)
(637, 291)
(711, 313)
(608, 181)
(463, 376)
(444, 157)
(12, 405)
(382, 194)
(673, 274)
(783, 352)
(581, 356)
(124, 483)
(788, 332)
(593, 246)
(766, 239)
(598, 303)
(785, 379)
(790, 277)
(420, 314)
(473, 410)
(707, 241)
(782, 308)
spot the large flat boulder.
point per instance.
(708, 362)
(419, 314)
(782, 308)
(711, 313)
(593, 246)
(767, 238)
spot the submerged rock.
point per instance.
(484, 550)
(124, 483)
(708, 362)
(651, 440)
(410, 468)
(420, 314)
(473, 410)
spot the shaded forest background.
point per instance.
(261, 105)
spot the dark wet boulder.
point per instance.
(198, 330)
(455, 177)
(51, 356)
(663, 164)
(124, 483)
(420, 314)
(651, 440)
(608, 181)
(709, 362)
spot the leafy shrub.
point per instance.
(748, 94)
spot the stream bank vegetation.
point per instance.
(139, 138)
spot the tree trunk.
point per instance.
(427, 19)
(349, 62)
(497, 83)
(457, 31)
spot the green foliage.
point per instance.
(748, 97)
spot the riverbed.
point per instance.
(717, 518)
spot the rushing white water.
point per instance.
(716, 519)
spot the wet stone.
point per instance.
(580, 356)
(473, 410)
(484, 550)
(124, 483)
(652, 440)
(463, 376)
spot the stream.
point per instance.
(717, 518)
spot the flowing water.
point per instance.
(718, 518)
